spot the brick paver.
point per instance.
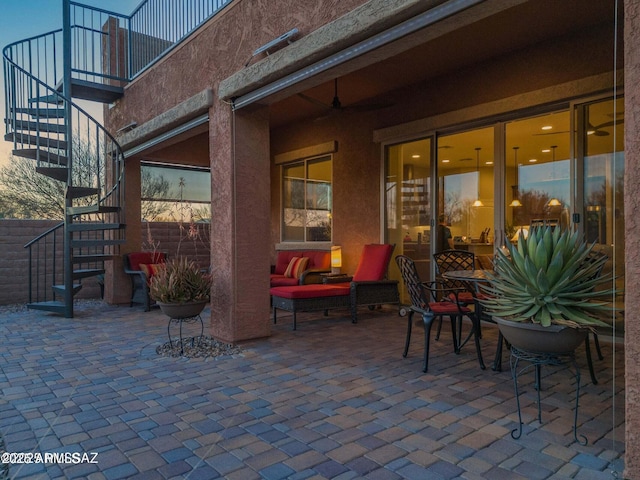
(330, 400)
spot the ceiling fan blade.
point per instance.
(368, 107)
(607, 124)
(314, 101)
(550, 133)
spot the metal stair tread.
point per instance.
(94, 227)
(41, 112)
(37, 126)
(96, 92)
(95, 242)
(51, 99)
(79, 192)
(77, 259)
(87, 272)
(61, 288)
(43, 142)
(49, 306)
(44, 155)
(92, 209)
(57, 173)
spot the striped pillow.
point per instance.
(296, 266)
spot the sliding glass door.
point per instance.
(538, 170)
(497, 182)
(408, 202)
(601, 188)
(466, 189)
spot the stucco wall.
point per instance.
(221, 47)
(14, 234)
(632, 236)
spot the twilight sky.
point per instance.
(27, 18)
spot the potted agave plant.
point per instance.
(544, 292)
(180, 288)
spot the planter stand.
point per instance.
(180, 321)
(537, 360)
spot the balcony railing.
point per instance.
(109, 47)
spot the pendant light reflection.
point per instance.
(478, 202)
(515, 202)
(554, 202)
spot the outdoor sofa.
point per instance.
(367, 287)
(287, 271)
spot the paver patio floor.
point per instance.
(330, 400)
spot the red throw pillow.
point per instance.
(150, 269)
(296, 266)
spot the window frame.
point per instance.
(305, 162)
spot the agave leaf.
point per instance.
(542, 282)
(555, 269)
(544, 317)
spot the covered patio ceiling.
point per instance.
(411, 60)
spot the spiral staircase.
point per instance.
(44, 77)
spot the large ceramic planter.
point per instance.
(534, 338)
(182, 310)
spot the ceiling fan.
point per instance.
(596, 129)
(336, 106)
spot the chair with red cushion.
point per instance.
(424, 301)
(451, 260)
(368, 286)
(140, 266)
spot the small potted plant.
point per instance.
(547, 283)
(181, 288)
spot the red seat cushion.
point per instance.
(281, 281)
(136, 258)
(374, 262)
(463, 297)
(447, 308)
(312, 291)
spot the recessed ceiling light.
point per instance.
(446, 160)
(533, 160)
(488, 163)
(546, 150)
(415, 156)
(547, 127)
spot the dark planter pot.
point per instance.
(182, 310)
(534, 338)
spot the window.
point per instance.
(307, 200)
(175, 193)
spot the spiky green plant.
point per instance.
(180, 280)
(549, 278)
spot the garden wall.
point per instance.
(14, 234)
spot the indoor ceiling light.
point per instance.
(515, 202)
(554, 202)
(478, 202)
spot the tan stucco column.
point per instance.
(632, 235)
(117, 288)
(240, 222)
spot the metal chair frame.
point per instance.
(425, 300)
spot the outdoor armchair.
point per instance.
(432, 300)
(140, 266)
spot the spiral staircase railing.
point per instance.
(70, 148)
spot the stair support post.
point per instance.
(68, 218)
